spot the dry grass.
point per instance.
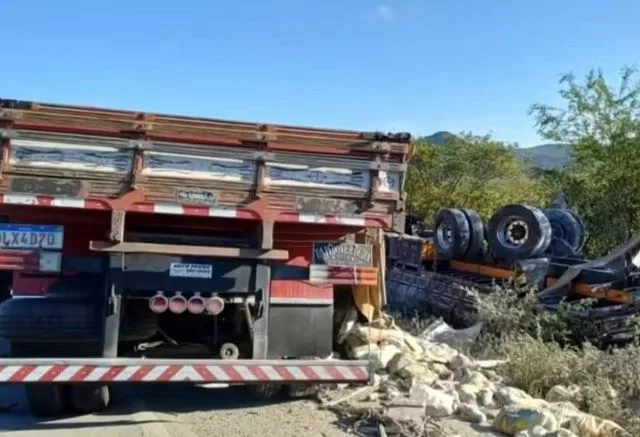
(541, 352)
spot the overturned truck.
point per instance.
(520, 245)
(143, 247)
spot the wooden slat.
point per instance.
(177, 249)
(170, 126)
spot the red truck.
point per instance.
(142, 247)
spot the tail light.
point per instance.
(178, 304)
(196, 305)
(158, 303)
(215, 305)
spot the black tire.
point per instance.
(138, 321)
(452, 234)
(48, 320)
(266, 391)
(69, 320)
(302, 391)
(560, 248)
(51, 400)
(46, 400)
(519, 232)
(567, 226)
(89, 398)
(476, 229)
(583, 229)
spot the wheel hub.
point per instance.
(444, 235)
(517, 232)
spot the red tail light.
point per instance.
(215, 305)
(196, 305)
(178, 304)
(158, 303)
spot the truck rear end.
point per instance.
(155, 248)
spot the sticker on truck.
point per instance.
(191, 270)
(342, 254)
(19, 236)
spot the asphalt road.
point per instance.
(174, 411)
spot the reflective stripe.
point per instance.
(80, 370)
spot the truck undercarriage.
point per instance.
(434, 271)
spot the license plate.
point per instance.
(18, 236)
(191, 270)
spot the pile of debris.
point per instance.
(421, 380)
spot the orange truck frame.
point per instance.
(157, 248)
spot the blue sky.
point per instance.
(415, 65)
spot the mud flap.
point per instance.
(368, 300)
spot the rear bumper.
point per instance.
(88, 370)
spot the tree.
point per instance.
(468, 171)
(602, 124)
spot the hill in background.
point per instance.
(545, 156)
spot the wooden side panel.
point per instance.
(314, 176)
(182, 166)
(70, 166)
(67, 156)
(270, 183)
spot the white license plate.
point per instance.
(18, 236)
(191, 270)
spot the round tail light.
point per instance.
(158, 304)
(215, 305)
(196, 305)
(178, 304)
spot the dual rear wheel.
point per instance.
(514, 232)
(459, 233)
(51, 400)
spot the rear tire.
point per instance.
(49, 400)
(301, 391)
(477, 233)
(48, 320)
(266, 391)
(46, 400)
(138, 322)
(566, 226)
(90, 398)
(518, 232)
(54, 319)
(452, 234)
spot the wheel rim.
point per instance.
(513, 232)
(229, 351)
(444, 235)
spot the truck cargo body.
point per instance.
(186, 241)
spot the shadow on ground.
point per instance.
(178, 399)
(126, 404)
